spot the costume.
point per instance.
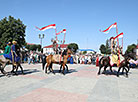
(7, 50)
(12, 54)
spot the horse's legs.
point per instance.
(63, 69)
(118, 71)
(126, 71)
(111, 69)
(104, 69)
(60, 68)
(48, 64)
(3, 71)
(13, 68)
(43, 65)
(19, 65)
(128, 68)
(67, 67)
(100, 67)
(51, 68)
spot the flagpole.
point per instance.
(122, 45)
(118, 44)
(64, 38)
(56, 33)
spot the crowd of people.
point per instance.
(12, 52)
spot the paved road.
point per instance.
(81, 84)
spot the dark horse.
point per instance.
(105, 62)
(4, 61)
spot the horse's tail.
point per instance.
(101, 62)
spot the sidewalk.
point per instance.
(81, 84)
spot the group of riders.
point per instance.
(11, 53)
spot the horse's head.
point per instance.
(69, 52)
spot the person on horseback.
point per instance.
(55, 46)
(3, 59)
(7, 49)
(13, 53)
(114, 52)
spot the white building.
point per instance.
(49, 49)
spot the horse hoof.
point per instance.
(59, 71)
(98, 73)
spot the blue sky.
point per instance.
(81, 18)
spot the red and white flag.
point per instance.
(47, 27)
(119, 36)
(63, 31)
(108, 29)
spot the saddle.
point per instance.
(57, 58)
(114, 59)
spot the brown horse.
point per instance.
(52, 59)
(105, 62)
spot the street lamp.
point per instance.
(41, 36)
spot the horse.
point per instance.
(105, 62)
(52, 59)
(4, 61)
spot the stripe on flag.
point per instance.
(108, 29)
(63, 31)
(119, 35)
(47, 27)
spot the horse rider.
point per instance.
(6, 53)
(7, 49)
(13, 53)
(55, 46)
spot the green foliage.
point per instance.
(84, 52)
(12, 29)
(33, 47)
(73, 46)
(105, 49)
(130, 48)
(108, 49)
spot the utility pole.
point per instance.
(41, 36)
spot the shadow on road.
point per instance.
(108, 72)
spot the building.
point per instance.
(49, 49)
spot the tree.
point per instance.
(84, 52)
(12, 29)
(33, 47)
(130, 48)
(103, 49)
(108, 49)
(73, 46)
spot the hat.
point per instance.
(14, 42)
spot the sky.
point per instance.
(81, 18)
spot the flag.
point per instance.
(63, 31)
(108, 29)
(37, 27)
(47, 27)
(119, 36)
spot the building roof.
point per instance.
(61, 45)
